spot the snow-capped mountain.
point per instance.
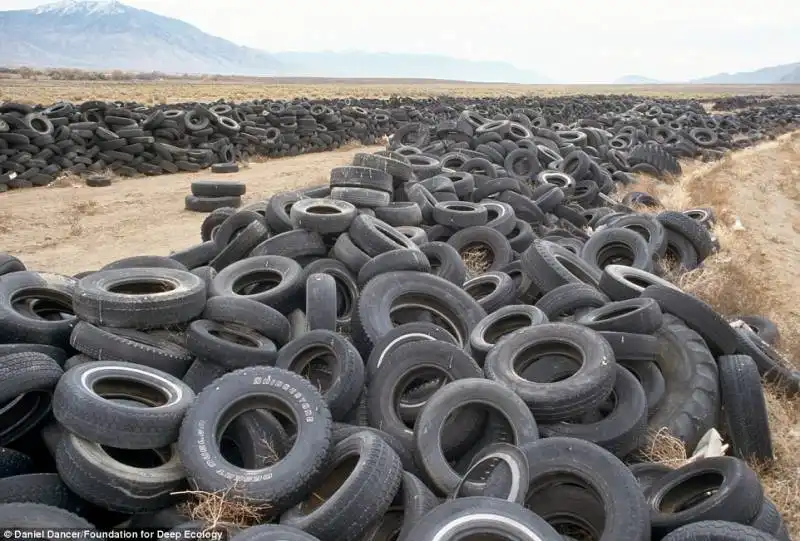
(107, 34)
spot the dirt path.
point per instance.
(75, 228)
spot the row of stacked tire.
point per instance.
(38, 144)
(328, 364)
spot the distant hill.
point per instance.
(107, 34)
(403, 66)
(637, 80)
(793, 77)
(763, 76)
(111, 35)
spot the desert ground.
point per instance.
(755, 194)
(47, 91)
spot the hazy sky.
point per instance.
(568, 41)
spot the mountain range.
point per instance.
(107, 35)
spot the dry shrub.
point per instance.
(67, 180)
(664, 448)
(477, 259)
(221, 509)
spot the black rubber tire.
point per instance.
(126, 345)
(179, 296)
(445, 261)
(44, 488)
(80, 406)
(632, 347)
(617, 284)
(324, 216)
(276, 213)
(698, 316)
(372, 318)
(297, 244)
(351, 504)
(272, 532)
(649, 228)
(348, 253)
(585, 390)
(638, 316)
(213, 221)
(283, 296)
(214, 188)
(285, 483)
(227, 167)
(346, 287)
(198, 255)
(229, 345)
(342, 431)
(622, 426)
(239, 246)
(619, 247)
(648, 472)
(695, 233)
(56, 292)
(543, 265)
(251, 314)
(745, 409)
(400, 213)
(487, 238)
(460, 214)
(321, 302)
(145, 261)
(437, 361)
(717, 530)
(341, 378)
(259, 439)
(737, 494)
(769, 520)
(94, 475)
(655, 156)
(501, 216)
(9, 263)
(361, 177)
(39, 516)
(375, 237)
(766, 329)
(13, 463)
(652, 381)
(398, 168)
(57, 354)
(210, 204)
(606, 489)
(567, 300)
(27, 372)
(501, 323)
(492, 290)
(472, 517)
(466, 392)
(202, 373)
(403, 334)
(394, 260)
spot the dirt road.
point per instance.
(68, 229)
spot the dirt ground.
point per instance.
(47, 91)
(71, 228)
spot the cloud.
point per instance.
(576, 41)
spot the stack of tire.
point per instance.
(327, 359)
(37, 144)
(210, 195)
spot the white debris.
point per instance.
(710, 444)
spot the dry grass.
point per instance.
(477, 259)
(222, 509)
(665, 448)
(753, 273)
(172, 91)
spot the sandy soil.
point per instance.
(72, 228)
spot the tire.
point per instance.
(229, 345)
(460, 214)
(402, 334)
(213, 188)
(737, 494)
(361, 177)
(585, 390)
(321, 306)
(272, 532)
(324, 216)
(348, 253)
(14, 463)
(472, 517)
(28, 372)
(417, 235)
(277, 211)
(375, 237)
(567, 300)
(346, 287)
(652, 380)
(617, 246)
(201, 373)
(605, 498)
(501, 216)
(298, 244)
(655, 156)
(213, 221)
(745, 409)
(79, 405)
(650, 230)
(259, 439)
(486, 238)
(769, 520)
(125, 345)
(623, 424)
(502, 322)
(372, 318)
(395, 260)
(9, 264)
(43, 488)
(399, 214)
(89, 471)
(695, 233)
(224, 168)
(240, 245)
(717, 530)
(55, 353)
(763, 327)
(145, 261)
(284, 296)
(492, 290)
(362, 498)
(542, 265)
(251, 314)
(282, 485)
(196, 256)
(210, 204)
(647, 473)
(342, 431)
(333, 361)
(698, 316)
(37, 516)
(466, 392)
(621, 283)
(54, 291)
(397, 168)
(439, 363)
(445, 261)
(637, 316)
(162, 297)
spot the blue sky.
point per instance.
(577, 41)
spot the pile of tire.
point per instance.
(37, 144)
(327, 360)
(208, 195)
